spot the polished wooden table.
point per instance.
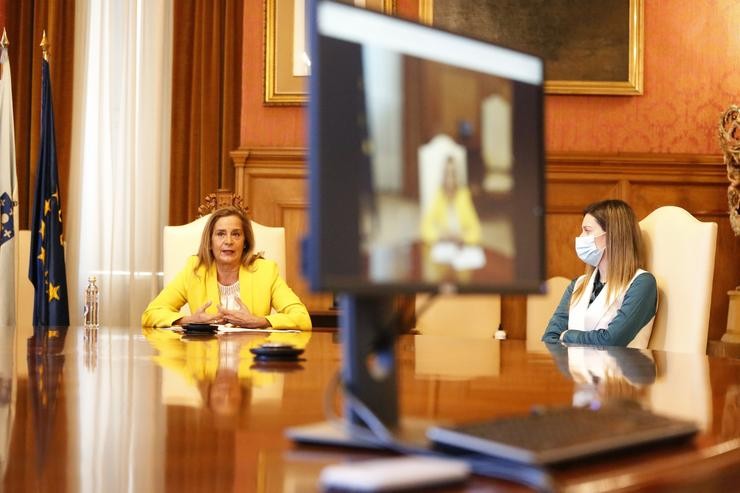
(126, 409)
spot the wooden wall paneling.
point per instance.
(696, 183)
(273, 183)
(567, 194)
(562, 228)
(295, 221)
(707, 203)
(726, 274)
(514, 316)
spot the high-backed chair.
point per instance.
(540, 308)
(180, 242)
(432, 158)
(468, 316)
(680, 254)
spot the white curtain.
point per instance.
(119, 177)
(119, 414)
(117, 209)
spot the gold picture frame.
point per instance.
(282, 86)
(631, 54)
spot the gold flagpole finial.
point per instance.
(44, 46)
(4, 41)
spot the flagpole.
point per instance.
(46, 267)
(44, 46)
(4, 43)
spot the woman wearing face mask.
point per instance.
(614, 302)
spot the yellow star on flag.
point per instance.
(54, 292)
(42, 255)
(47, 206)
(42, 231)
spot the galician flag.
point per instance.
(8, 186)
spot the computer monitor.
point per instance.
(426, 159)
(426, 173)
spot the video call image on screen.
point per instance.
(435, 166)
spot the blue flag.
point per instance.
(46, 268)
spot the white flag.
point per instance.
(8, 181)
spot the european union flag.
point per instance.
(46, 268)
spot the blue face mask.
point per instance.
(587, 250)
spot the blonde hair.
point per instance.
(623, 245)
(205, 253)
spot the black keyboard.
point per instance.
(559, 434)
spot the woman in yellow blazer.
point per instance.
(451, 216)
(228, 283)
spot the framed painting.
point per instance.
(589, 46)
(286, 61)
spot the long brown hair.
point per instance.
(205, 254)
(623, 245)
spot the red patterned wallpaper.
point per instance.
(692, 73)
(263, 125)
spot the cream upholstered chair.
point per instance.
(680, 254)
(468, 316)
(540, 308)
(180, 242)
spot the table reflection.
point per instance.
(8, 391)
(603, 374)
(132, 409)
(218, 373)
(45, 368)
(674, 384)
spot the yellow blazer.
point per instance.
(434, 225)
(260, 288)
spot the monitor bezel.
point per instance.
(319, 227)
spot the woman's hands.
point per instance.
(242, 317)
(201, 317)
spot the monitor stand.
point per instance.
(368, 328)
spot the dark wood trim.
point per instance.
(690, 177)
(687, 167)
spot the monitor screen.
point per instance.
(426, 159)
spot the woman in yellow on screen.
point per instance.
(451, 215)
(227, 282)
